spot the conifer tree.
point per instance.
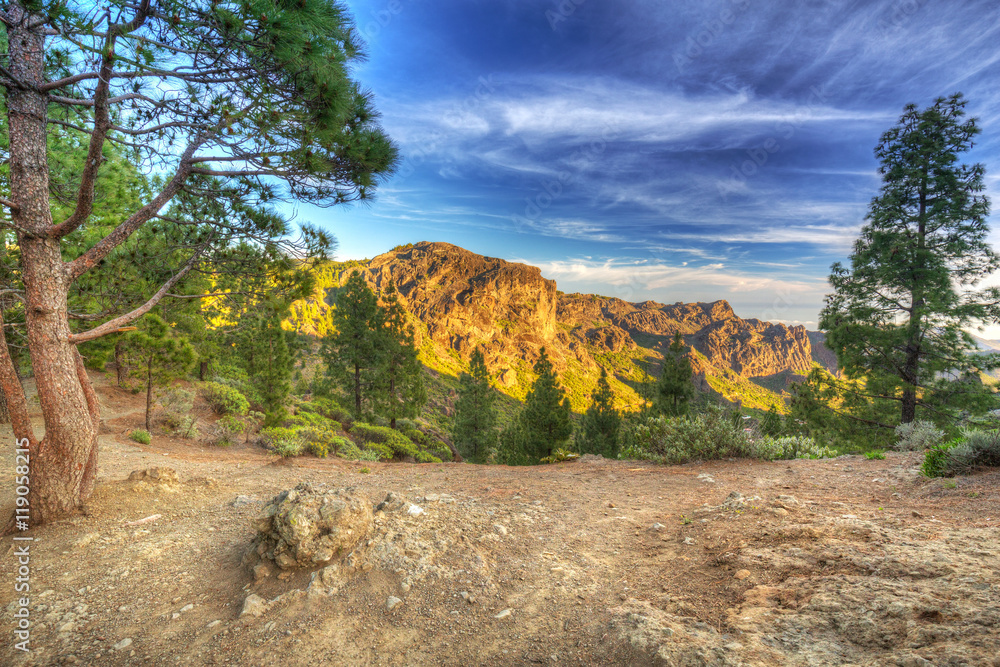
(771, 424)
(154, 357)
(600, 424)
(545, 417)
(353, 352)
(401, 392)
(675, 388)
(475, 423)
(263, 348)
(899, 314)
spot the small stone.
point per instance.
(657, 526)
(689, 540)
(214, 624)
(916, 514)
(125, 643)
(261, 571)
(67, 627)
(405, 587)
(741, 575)
(187, 608)
(174, 616)
(254, 605)
(392, 602)
(415, 510)
(500, 528)
(503, 614)
(86, 540)
(242, 501)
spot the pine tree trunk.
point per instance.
(357, 391)
(64, 463)
(120, 364)
(202, 370)
(149, 393)
(4, 412)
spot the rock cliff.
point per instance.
(463, 300)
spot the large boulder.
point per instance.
(311, 525)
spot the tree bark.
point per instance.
(64, 462)
(149, 392)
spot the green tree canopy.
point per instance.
(353, 353)
(675, 387)
(401, 392)
(898, 315)
(545, 417)
(474, 427)
(154, 356)
(598, 432)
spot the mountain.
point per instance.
(460, 300)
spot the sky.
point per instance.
(674, 151)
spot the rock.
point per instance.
(657, 526)
(125, 643)
(415, 510)
(503, 614)
(186, 608)
(86, 540)
(214, 624)
(254, 606)
(741, 575)
(689, 540)
(69, 626)
(500, 529)
(311, 524)
(242, 501)
(261, 571)
(392, 602)
(155, 475)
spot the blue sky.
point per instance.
(676, 151)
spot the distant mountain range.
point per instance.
(459, 300)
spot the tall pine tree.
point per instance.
(353, 352)
(545, 418)
(898, 316)
(474, 428)
(155, 356)
(401, 392)
(599, 428)
(675, 388)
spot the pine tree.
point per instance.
(401, 391)
(898, 315)
(545, 417)
(600, 424)
(675, 388)
(154, 357)
(474, 428)
(264, 351)
(771, 424)
(353, 352)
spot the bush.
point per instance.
(917, 436)
(875, 455)
(392, 442)
(141, 436)
(791, 447)
(283, 441)
(177, 404)
(224, 399)
(228, 430)
(329, 408)
(959, 456)
(712, 435)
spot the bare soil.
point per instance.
(838, 562)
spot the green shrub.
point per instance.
(787, 448)
(283, 441)
(875, 455)
(391, 441)
(224, 399)
(177, 404)
(141, 436)
(228, 430)
(711, 435)
(936, 459)
(916, 436)
(327, 407)
(959, 456)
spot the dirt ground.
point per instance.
(837, 562)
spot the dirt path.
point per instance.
(842, 562)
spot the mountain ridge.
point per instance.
(460, 300)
